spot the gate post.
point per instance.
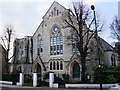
(21, 79)
(51, 79)
(34, 79)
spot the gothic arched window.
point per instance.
(55, 12)
(74, 41)
(61, 65)
(52, 14)
(56, 65)
(50, 65)
(41, 49)
(39, 46)
(56, 42)
(113, 63)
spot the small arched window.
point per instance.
(39, 46)
(20, 69)
(41, 49)
(74, 41)
(52, 14)
(57, 13)
(113, 62)
(50, 65)
(56, 65)
(61, 65)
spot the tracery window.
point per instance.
(56, 42)
(74, 41)
(56, 65)
(39, 46)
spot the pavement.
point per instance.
(45, 89)
(14, 87)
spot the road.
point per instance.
(45, 89)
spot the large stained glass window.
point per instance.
(56, 42)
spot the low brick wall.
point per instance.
(55, 85)
(6, 82)
(87, 85)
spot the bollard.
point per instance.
(34, 79)
(51, 79)
(21, 79)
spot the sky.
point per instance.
(26, 15)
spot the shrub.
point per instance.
(111, 79)
(108, 74)
(27, 79)
(14, 77)
(46, 76)
(65, 78)
(58, 80)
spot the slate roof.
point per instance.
(106, 46)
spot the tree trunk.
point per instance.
(83, 72)
(83, 76)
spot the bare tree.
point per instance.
(115, 27)
(81, 20)
(7, 41)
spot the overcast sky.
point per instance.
(26, 15)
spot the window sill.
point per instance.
(56, 55)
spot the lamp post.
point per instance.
(97, 39)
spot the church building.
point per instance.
(47, 50)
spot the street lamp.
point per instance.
(93, 8)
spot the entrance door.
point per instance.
(39, 70)
(76, 71)
(39, 74)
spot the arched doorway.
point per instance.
(38, 69)
(19, 69)
(76, 70)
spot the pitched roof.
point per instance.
(106, 46)
(38, 59)
(51, 6)
(75, 56)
